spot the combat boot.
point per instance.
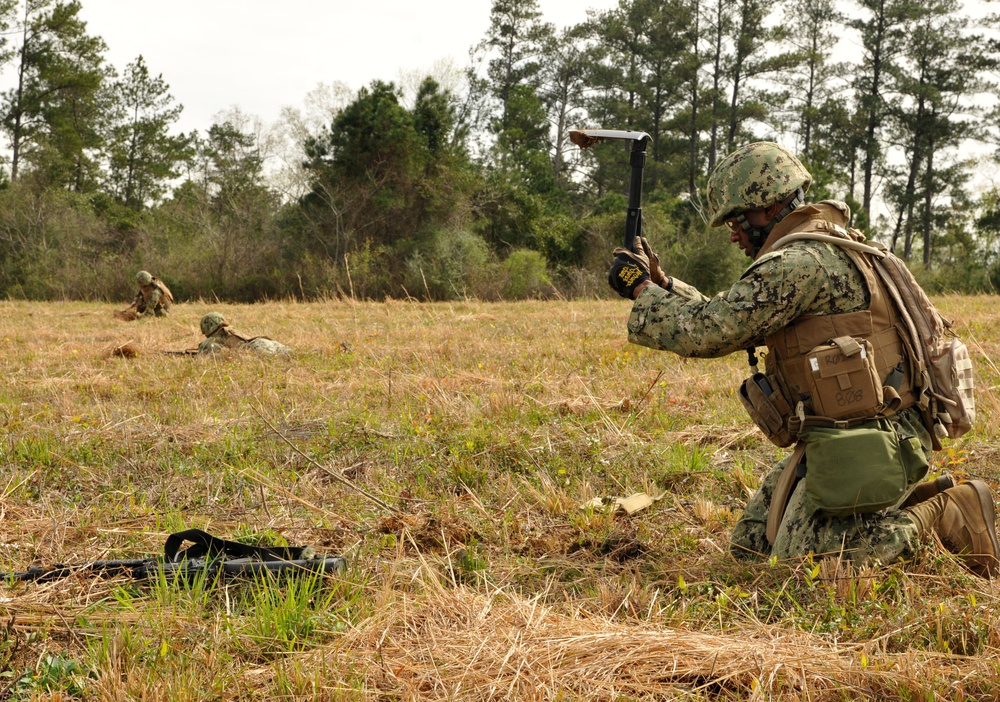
(928, 489)
(963, 518)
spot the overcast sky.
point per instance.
(261, 55)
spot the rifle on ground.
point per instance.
(181, 352)
(208, 555)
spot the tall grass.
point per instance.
(478, 431)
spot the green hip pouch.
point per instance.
(862, 469)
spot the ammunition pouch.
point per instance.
(844, 391)
(768, 408)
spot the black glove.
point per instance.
(627, 272)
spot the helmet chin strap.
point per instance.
(758, 235)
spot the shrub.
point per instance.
(447, 266)
(527, 275)
(694, 253)
(52, 246)
(559, 238)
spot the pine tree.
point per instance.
(142, 155)
(939, 78)
(883, 27)
(53, 113)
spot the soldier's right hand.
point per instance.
(627, 272)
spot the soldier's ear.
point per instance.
(771, 211)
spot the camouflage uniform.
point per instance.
(755, 176)
(219, 336)
(802, 278)
(153, 297)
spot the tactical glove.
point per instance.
(656, 273)
(627, 272)
(642, 253)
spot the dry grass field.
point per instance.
(446, 450)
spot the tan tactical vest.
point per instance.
(796, 353)
(167, 297)
(230, 338)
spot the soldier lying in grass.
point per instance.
(219, 336)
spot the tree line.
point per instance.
(465, 184)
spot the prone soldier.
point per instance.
(219, 336)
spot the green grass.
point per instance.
(477, 432)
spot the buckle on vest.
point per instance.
(841, 424)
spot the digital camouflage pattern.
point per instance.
(881, 537)
(805, 277)
(259, 344)
(153, 297)
(808, 277)
(224, 337)
(211, 322)
(753, 177)
(151, 300)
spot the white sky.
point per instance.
(261, 55)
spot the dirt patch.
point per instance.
(618, 546)
(428, 533)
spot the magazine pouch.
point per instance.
(767, 408)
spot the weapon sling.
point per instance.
(208, 554)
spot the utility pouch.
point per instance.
(954, 403)
(767, 408)
(843, 380)
(860, 470)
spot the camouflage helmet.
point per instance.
(211, 323)
(753, 177)
(143, 278)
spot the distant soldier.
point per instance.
(153, 298)
(219, 336)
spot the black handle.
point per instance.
(633, 220)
